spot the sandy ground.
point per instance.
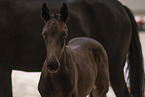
(25, 84)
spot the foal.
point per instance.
(72, 70)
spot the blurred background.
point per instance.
(25, 84)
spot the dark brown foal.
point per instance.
(75, 69)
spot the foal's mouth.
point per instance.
(52, 67)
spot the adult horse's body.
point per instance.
(104, 20)
(72, 70)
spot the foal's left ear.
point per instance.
(45, 12)
(64, 13)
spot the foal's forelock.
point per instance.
(55, 24)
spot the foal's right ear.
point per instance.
(45, 12)
(64, 13)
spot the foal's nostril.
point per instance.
(52, 66)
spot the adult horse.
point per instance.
(75, 69)
(107, 21)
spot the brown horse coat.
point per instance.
(83, 66)
(107, 21)
(72, 70)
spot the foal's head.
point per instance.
(54, 34)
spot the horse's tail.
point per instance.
(135, 58)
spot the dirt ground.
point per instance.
(25, 84)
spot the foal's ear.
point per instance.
(45, 12)
(64, 13)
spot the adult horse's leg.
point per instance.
(117, 59)
(117, 79)
(5, 83)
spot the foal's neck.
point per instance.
(66, 57)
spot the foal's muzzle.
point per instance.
(53, 66)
